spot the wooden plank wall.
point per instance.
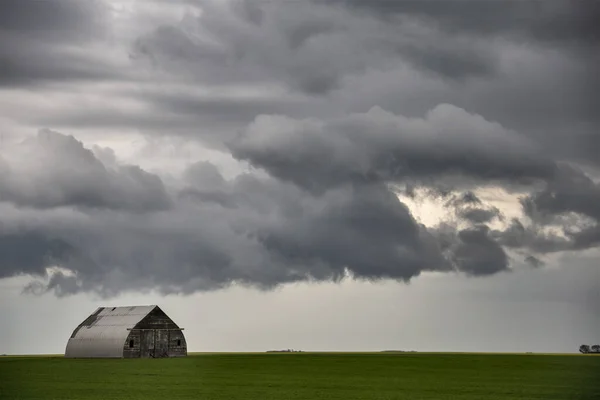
(156, 336)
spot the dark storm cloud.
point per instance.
(493, 58)
(24, 64)
(378, 147)
(479, 215)
(392, 244)
(250, 230)
(242, 50)
(570, 201)
(552, 21)
(264, 231)
(54, 170)
(53, 20)
(325, 207)
(381, 146)
(568, 25)
(305, 46)
(534, 261)
(466, 198)
(570, 191)
(59, 282)
(550, 95)
(29, 253)
(45, 42)
(231, 108)
(478, 254)
(520, 236)
(316, 236)
(586, 237)
(450, 61)
(466, 205)
(211, 118)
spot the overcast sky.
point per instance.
(308, 174)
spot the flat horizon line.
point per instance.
(301, 352)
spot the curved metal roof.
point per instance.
(103, 333)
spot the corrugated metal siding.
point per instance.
(106, 334)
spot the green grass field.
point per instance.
(305, 376)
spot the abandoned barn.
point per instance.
(127, 332)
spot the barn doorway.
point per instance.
(161, 346)
(155, 343)
(147, 343)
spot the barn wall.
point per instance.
(157, 319)
(175, 349)
(132, 352)
(159, 336)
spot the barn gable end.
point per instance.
(130, 332)
(155, 336)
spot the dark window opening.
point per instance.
(131, 343)
(178, 342)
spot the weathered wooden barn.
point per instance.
(127, 332)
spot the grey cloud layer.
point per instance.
(326, 210)
(381, 146)
(55, 19)
(29, 252)
(552, 21)
(44, 42)
(334, 102)
(249, 43)
(53, 170)
(307, 46)
(250, 230)
(530, 65)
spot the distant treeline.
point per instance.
(284, 351)
(585, 349)
(398, 351)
